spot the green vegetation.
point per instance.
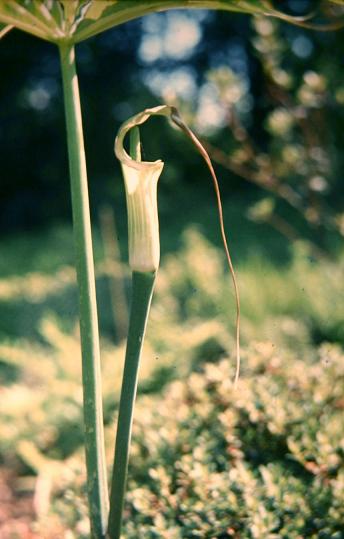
(207, 461)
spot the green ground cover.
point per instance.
(262, 461)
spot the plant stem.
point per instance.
(142, 291)
(91, 376)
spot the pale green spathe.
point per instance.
(143, 222)
(141, 179)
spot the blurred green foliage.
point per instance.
(267, 97)
(264, 460)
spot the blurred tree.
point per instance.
(267, 96)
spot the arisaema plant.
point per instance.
(66, 23)
(141, 179)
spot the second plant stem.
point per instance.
(142, 291)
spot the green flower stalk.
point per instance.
(141, 178)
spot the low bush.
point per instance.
(264, 460)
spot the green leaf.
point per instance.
(42, 19)
(4, 29)
(76, 20)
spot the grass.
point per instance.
(206, 461)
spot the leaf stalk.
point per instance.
(91, 375)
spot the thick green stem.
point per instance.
(142, 291)
(91, 376)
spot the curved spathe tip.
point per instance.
(134, 121)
